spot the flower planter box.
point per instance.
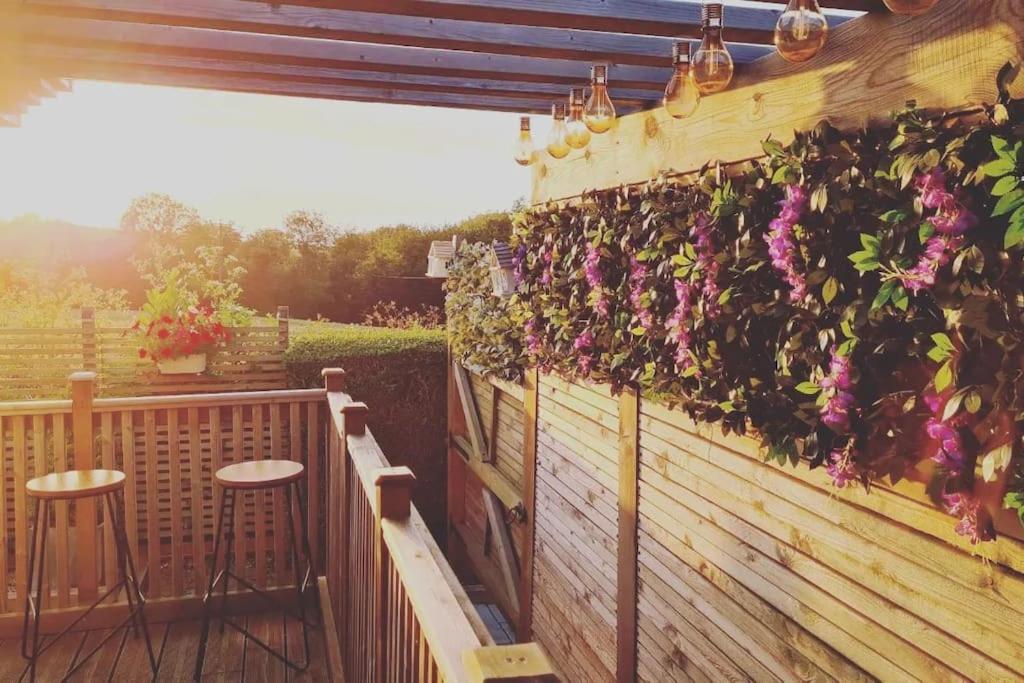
(186, 365)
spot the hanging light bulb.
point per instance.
(801, 31)
(557, 146)
(712, 65)
(524, 147)
(599, 112)
(911, 7)
(681, 94)
(577, 134)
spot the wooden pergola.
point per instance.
(501, 55)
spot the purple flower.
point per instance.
(678, 326)
(951, 220)
(584, 341)
(840, 401)
(533, 345)
(707, 265)
(595, 279)
(637, 289)
(518, 263)
(841, 468)
(951, 453)
(782, 242)
(973, 521)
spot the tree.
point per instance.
(158, 215)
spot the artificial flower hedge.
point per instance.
(856, 301)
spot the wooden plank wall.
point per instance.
(576, 533)
(35, 363)
(752, 571)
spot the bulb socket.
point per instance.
(558, 111)
(599, 74)
(681, 52)
(524, 123)
(712, 14)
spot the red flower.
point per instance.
(167, 319)
(166, 353)
(136, 325)
(163, 333)
(142, 353)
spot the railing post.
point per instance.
(334, 379)
(89, 339)
(629, 472)
(337, 514)
(393, 486)
(82, 387)
(282, 328)
(522, 663)
(355, 418)
(524, 632)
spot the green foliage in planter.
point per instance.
(401, 375)
(486, 330)
(855, 300)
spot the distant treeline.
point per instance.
(307, 264)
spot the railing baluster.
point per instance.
(174, 465)
(152, 505)
(60, 464)
(195, 461)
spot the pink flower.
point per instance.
(974, 523)
(584, 341)
(841, 468)
(841, 402)
(951, 454)
(533, 345)
(637, 289)
(592, 272)
(678, 326)
(951, 220)
(781, 241)
(707, 265)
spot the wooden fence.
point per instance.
(403, 614)
(168, 446)
(658, 549)
(35, 363)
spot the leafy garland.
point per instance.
(854, 300)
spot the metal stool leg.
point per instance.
(229, 555)
(129, 575)
(297, 569)
(205, 633)
(33, 606)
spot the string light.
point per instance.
(712, 64)
(599, 112)
(682, 96)
(801, 31)
(557, 146)
(577, 134)
(524, 147)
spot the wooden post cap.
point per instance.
(334, 379)
(523, 663)
(82, 376)
(355, 418)
(282, 312)
(394, 492)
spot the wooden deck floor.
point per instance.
(229, 657)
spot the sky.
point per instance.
(251, 159)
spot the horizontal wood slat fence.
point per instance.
(35, 362)
(663, 545)
(403, 614)
(168, 446)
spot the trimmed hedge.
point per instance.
(401, 375)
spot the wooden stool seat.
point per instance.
(75, 484)
(259, 474)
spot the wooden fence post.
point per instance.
(521, 663)
(393, 487)
(524, 630)
(89, 339)
(337, 512)
(626, 617)
(282, 328)
(355, 418)
(334, 379)
(82, 387)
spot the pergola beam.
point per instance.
(228, 45)
(668, 18)
(392, 28)
(254, 85)
(64, 60)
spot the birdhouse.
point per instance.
(503, 277)
(440, 257)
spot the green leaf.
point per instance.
(1009, 203)
(938, 355)
(1000, 146)
(772, 148)
(781, 175)
(639, 331)
(894, 216)
(900, 298)
(829, 290)
(944, 377)
(973, 402)
(952, 406)
(925, 231)
(809, 388)
(870, 242)
(1000, 167)
(995, 461)
(867, 266)
(1004, 185)
(1015, 233)
(884, 294)
(943, 341)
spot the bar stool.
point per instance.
(257, 475)
(76, 485)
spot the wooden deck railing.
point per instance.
(402, 614)
(168, 446)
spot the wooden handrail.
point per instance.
(207, 400)
(417, 622)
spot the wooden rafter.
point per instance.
(393, 29)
